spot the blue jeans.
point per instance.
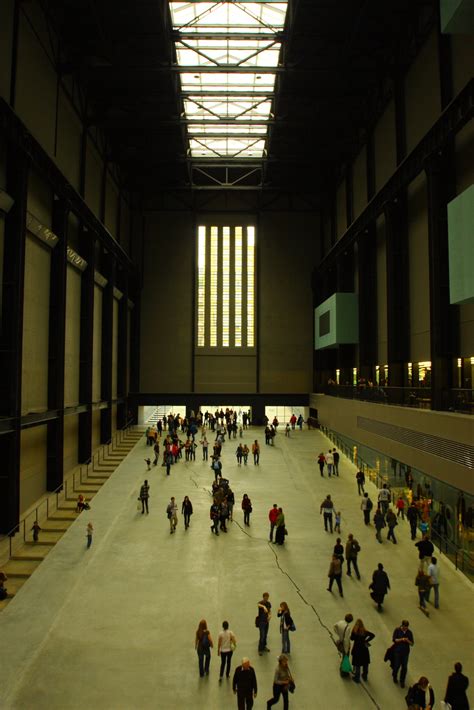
(262, 642)
(204, 659)
(435, 587)
(285, 641)
(277, 691)
(400, 662)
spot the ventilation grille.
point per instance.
(462, 454)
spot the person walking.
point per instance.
(144, 496)
(263, 622)
(172, 513)
(280, 528)
(36, 531)
(247, 508)
(214, 514)
(433, 574)
(287, 430)
(89, 533)
(244, 685)
(187, 511)
(336, 458)
(380, 585)
(360, 478)
(321, 462)
(327, 506)
(413, 515)
(245, 453)
(272, 516)
(379, 522)
(422, 581)
(335, 574)
(425, 550)
(360, 650)
(337, 521)
(226, 644)
(286, 625)
(384, 498)
(239, 454)
(203, 644)
(403, 640)
(205, 448)
(330, 462)
(223, 515)
(282, 682)
(391, 520)
(230, 503)
(366, 508)
(400, 506)
(456, 689)
(256, 453)
(352, 550)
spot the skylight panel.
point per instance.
(218, 97)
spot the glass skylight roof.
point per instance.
(229, 54)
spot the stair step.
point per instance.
(29, 558)
(46, 543)
(58, 531)
(99, 479)
(21, 568)
(63, 518)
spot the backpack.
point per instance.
(355, 546)
(204, 643)
(370, 505)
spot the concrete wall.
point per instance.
(73, 334)
(286, 251)
(382, 357)
(32, 466)
(341, 415)
(418, 271)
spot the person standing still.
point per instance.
(321, 462)
(247, 508)
(256, 453)
(458, 683)
(272, 516)
(360, 478)
(263, 618)
(187, 511)
(336, 457)
(89, 533)
(244, 685)
(352, 550)
(36, 530)
(330, 462)
(327, 506)
(144, 496)
(403, 640)
(335, 574)
(360, 650)
(412, 515)
(400, 506)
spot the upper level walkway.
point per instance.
(112, 628)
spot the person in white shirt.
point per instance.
(343, 630)
(433, 572)
(225, 648)
(384, 498)
(330, 463)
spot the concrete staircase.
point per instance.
(30, 554)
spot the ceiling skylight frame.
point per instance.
(229, 53)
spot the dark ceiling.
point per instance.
(338, 61)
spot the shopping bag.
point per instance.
(346, 664)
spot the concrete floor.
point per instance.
(113, 627)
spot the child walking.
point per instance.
(337, 522)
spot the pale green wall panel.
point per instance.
(97, 348)
(422, 92)
(359, 178)
(35, 327)
(461, 247)
(73, 337)
(33, 462)
(462, 47)
(457, 16)
(385, 146)
(464, 143)
(419, 297)
(336, 321)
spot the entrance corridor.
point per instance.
(112, 627)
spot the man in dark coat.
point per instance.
(244, 684)
(456, 690)
(380, 585)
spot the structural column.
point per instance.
(398, 313)
(87, 251)
(444, 318)
(345, 284)
(367, 267)
(57, 338)
(11, 339)
(107, 348)
(122, 355)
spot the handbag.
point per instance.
(346, 666)
(291, 684)
(139, 505)
(257, 622)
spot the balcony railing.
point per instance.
(455, 400)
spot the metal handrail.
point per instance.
(64, 487)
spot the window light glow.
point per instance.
(201, 324)
(225, 286)
(208, 39)
(213, 286)
(238, 286)
(250, 287)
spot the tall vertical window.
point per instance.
(226, 287)
(201, 291)
(213, 295)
